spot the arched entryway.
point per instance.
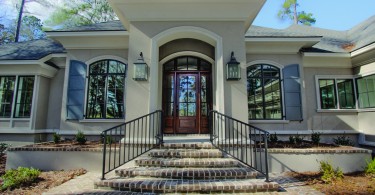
(187, 95)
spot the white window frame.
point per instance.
(335, 77)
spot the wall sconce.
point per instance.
(233, 69)
(140, 69)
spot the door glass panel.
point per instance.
(187, 95)
(182, 109)
(192, 109)
(204, 109)
(170, 81)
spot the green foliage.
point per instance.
(329, 174)
(343, 140)
(292, 140)
(56, 138)
(80, 138)
(15, 178)
(289, 10)
(77, 13)
(108, 139)
(315, 138)
(297, 139)
(370, 168)
(3, 148)
(273, 138)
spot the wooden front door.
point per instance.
(186, 100)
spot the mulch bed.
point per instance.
(303, 144)
(45, 181)
(67, 144)
(353, 183)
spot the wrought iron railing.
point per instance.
(240, 140)
(127, 141)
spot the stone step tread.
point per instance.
(196, 173)
(188, 162)
(188, 146)
(170, 185)
(183, 153)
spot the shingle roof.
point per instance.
(115, 25)
(30, 50)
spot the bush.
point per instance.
(370, 168)
(343, 140)
(328, 173)
(297, 139)
(56, 138)
(273, 138)
(315, 138)
(292, 139)
(81, 138)
(3, 148)
(15, 178)
(108, 139)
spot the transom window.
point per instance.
(263, 90)
(187, 63)
(106, 86)
(16, 99)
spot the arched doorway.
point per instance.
(187, 95)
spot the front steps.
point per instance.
(187, 168)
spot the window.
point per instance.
(336, 93)
(264, 94)
(106, 85)
(366, 91)
(24, 95)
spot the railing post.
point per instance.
(161, 127)
(266, 155)
(210, 120)
(104, 153)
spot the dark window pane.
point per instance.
(25, 91)
(366, 90)
(204, 65)
(6, 95)
(169, 66)
(272, 98)
(327, 93)
(270, 71)
(346, 94)
(192, 63)
(254, 71)
(182, 63)
(99, 67)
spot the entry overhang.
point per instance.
(187, 10)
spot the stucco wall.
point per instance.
(55, 100)
(41, 104)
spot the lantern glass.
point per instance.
(233, 69)
(140, 69)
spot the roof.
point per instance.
(115, 25)
(332, 41)
(30, 50)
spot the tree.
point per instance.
(289, 10)
(84, 12)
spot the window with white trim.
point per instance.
(106, 87)
(336, 93)
(366, 91)
(21, 105)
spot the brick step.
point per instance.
(188, 162)
(186, 153)
(156, 185)
(189, 173)
(188, 146)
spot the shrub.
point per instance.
(3, 148)
(273, 138)
(81, 138)
(328, 173)
(15, 178)
(343, 140)
(298, 139)
(56, 138)
(370, 168)
(292, 139)
(315, 138)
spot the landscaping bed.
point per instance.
(44, 182)
(353, 183)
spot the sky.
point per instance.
(329, 14)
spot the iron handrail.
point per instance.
(129, 140)
(240, 140)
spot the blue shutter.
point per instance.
(76, 90)
(292, 93)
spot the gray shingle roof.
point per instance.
(30, 50)
(115, 25)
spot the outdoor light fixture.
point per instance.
(233, 69)
(140, 69)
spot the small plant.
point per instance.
(343, 140)
(292, 139)
(108, 139)
(328, 173)
(56, 138)
(81, 138)
(15, 178)
(315, 138)
(3, 148)
(273, 138)
(370, 168)
(298, 139)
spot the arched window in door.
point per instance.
(264, 92)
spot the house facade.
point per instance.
(199, 57)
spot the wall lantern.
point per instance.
(233, 69)
(140, 69)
